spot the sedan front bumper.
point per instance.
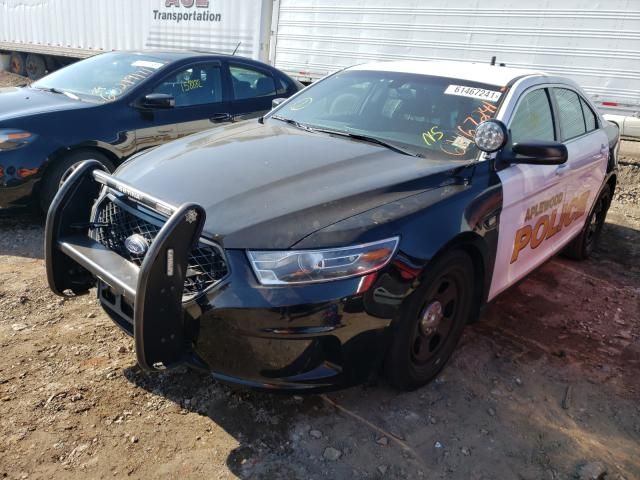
(307, 337)
(18, 177)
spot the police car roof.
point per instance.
(472, 72)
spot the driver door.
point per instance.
(200, 103)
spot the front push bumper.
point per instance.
(74, 261)
(312, 338)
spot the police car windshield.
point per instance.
(103, 78)
(429, 116)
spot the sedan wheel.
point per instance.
(62, 169)
(581, 247)
(431, 322)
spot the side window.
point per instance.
(282, 86)
(589, 117)
(570, 113)
(197, 85)
(532, 119)
(249, 83)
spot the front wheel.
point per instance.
(431, 322)
(581, 247)
(58, 173)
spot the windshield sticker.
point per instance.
(299, 105)
(147, 64)
(473, 92)
(191, 85)
(461, 142)
(452, 146)
(432, 136)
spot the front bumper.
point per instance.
(312, 337)
(20, 171)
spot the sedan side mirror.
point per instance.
(539, 153)
(158, 100)
(276, 101)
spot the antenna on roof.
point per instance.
(493, 60)
(237, 47)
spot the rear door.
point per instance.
(588, 147)
(201, 102)
(253, 90)
(530, 229)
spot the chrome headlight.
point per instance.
(11, 139)
(308, 266)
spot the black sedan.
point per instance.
(114, 105)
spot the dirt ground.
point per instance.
(545, 386)
(10, 80)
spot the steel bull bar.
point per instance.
(75, 262)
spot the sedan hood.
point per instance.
(16, 103)
(267, 186)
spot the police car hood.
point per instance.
(267, 186)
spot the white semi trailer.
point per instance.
(594, 42)
(41, 35)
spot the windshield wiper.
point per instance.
(299, 125)
(58, 91)
(367, 138)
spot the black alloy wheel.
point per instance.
(432, 321)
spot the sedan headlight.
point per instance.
(12, 139)
(307, 266)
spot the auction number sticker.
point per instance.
(473, 92)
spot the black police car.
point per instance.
(360, 224)
(113, 105)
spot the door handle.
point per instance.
(221, 117)
(164, 130)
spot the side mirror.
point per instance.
(158, 100)
(539, 153)
(276, 101)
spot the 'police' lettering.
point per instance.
(548, 225)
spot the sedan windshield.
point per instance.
(103, 78)
(424, 115)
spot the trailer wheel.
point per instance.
(36, 66)
(52, 63)
(18, 64)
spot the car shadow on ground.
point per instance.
(503, 402)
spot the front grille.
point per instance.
(115, 223)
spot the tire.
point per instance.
(36, 66)
(431, 322)
(581, 247)
(52, 63)
(58, 172)
(18, 64)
